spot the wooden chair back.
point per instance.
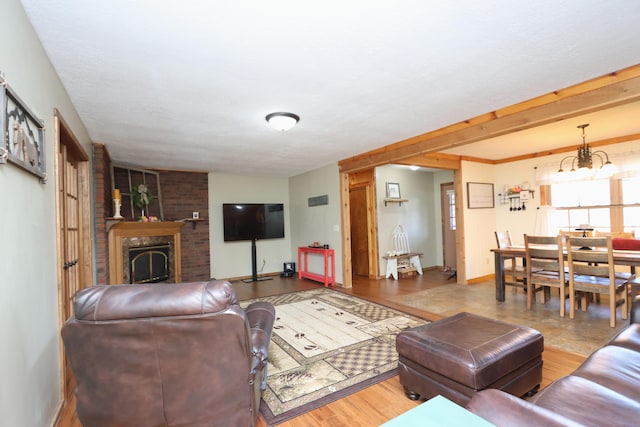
(503, 239)
(592, 269)
(545, 267)
(590, 256)
(574, 233)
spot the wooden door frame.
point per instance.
(366, 179)
(85, 264)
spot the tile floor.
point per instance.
(585, 333)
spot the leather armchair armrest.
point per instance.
(261, 316)
(503, 409)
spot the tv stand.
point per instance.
(254, 266)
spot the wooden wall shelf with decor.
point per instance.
(398, 201)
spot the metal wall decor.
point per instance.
(22, 141)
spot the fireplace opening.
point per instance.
(149, 264)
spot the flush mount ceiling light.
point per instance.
(282, 121)
(585, 159)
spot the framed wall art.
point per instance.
(479, 195)
(393, 190)
(22, 141)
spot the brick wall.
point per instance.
(104, 208)
(182, 194)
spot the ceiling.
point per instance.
(186, 85)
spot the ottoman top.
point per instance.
(470, 349)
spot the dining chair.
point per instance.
(516, 272)
(545, 268)
(592, 270)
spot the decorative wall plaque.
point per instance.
(22, 141)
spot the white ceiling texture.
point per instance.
(186, 84)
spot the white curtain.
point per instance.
(544, 221)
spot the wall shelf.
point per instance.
(398, 201)
(193, 221)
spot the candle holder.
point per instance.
(116, 208)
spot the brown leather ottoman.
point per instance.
(463, 354)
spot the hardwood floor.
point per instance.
(383, 401)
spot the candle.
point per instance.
(116, 194)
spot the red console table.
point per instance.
(303, 264)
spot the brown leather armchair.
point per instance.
(167, 355)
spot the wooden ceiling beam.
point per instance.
(433, 160)
(607, 91)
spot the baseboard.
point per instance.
(480, 279)
(58, 415)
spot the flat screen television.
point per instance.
(253, 221)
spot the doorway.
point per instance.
(74, 236)
(359, 233)
(449, 226)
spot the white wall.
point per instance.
(417, 216)
(479, 224)
(317, 223)
(29, 360)
(233, 259)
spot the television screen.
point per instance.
(248, 221)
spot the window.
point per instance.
(451, 196)
(593, 202)
(125, 178)
(631, 197)
(579, 204)
(581, 193)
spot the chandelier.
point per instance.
(585, 157)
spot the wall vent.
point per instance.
(318, 200)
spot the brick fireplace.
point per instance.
(127, 236)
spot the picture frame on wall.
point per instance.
(393, 190)
(22, 140)
(480, 195)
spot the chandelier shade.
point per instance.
(282, 121)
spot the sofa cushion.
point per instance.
(588, 403)
(623, 244)
(628, 337)
(503, 409)
(616, 368)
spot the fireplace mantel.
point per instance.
(132, 229)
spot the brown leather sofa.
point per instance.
(167, 355)
(604, 390)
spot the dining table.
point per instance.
(620, 257)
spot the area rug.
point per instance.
(327, 345)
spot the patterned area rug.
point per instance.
(326, 345)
